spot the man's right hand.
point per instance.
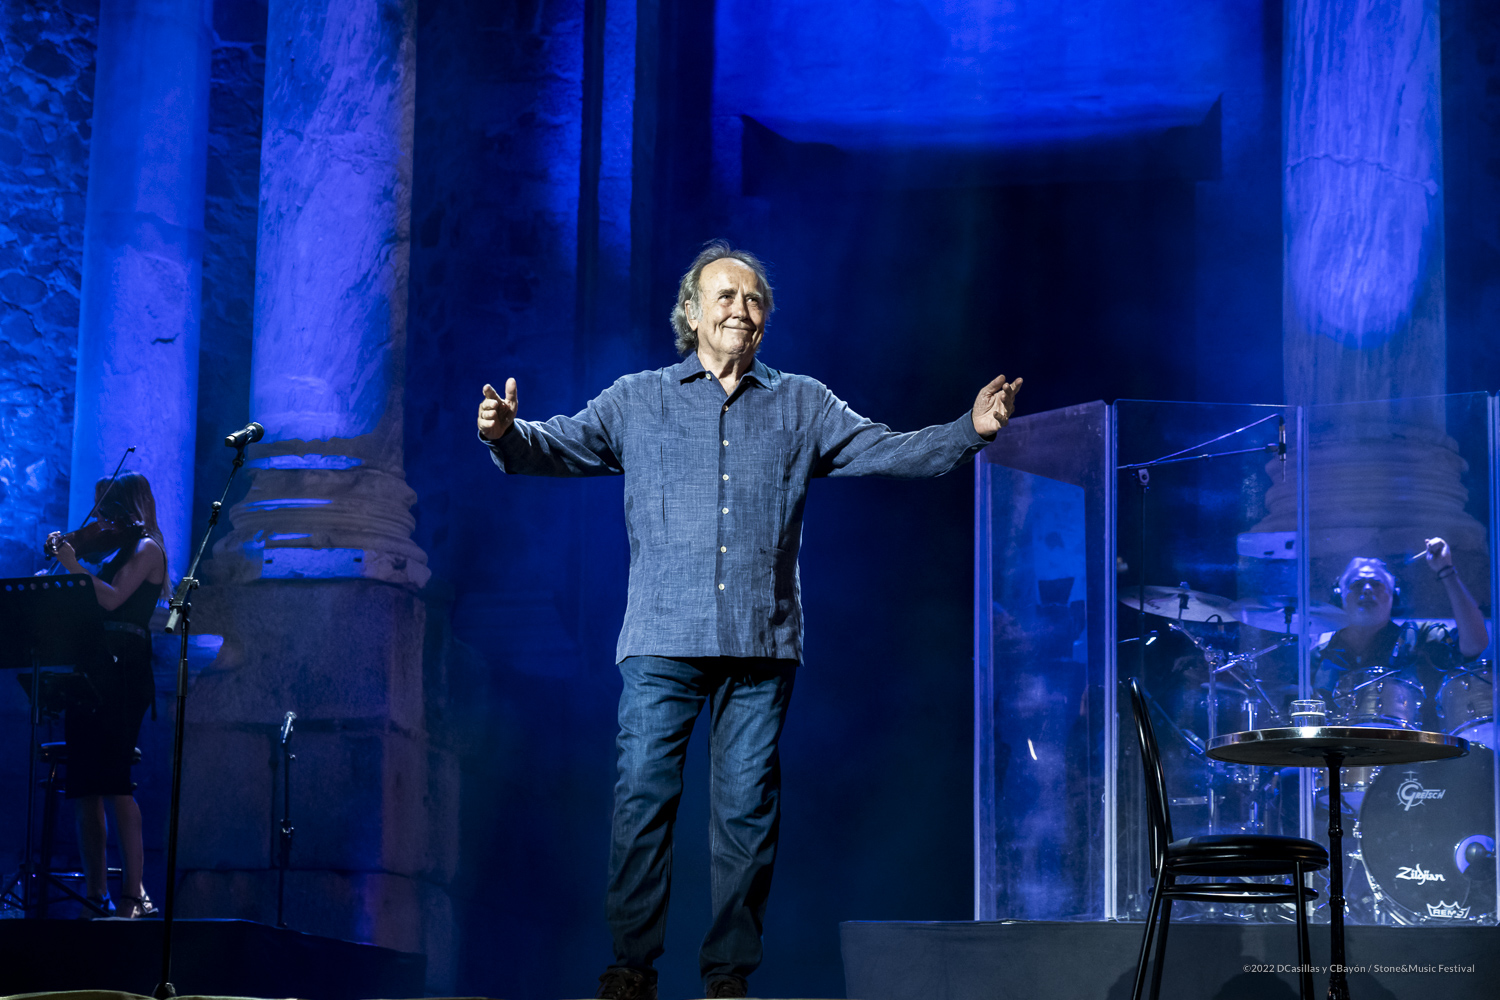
(496, 414)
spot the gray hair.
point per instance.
(687, 289)
(1377, 566)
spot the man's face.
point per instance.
(1367, 597)
(730, 316)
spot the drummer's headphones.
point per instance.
(1338, 585)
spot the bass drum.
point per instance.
(1427, 839)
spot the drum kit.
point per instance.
(1422, 835)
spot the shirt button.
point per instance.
(723, 548)
(726, 477)
(726, 408)
(726, 444)
(724, 511)
(721, 586)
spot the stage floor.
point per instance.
(237, 958)
(1043, 960)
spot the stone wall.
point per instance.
(46, 99)
(47, 76)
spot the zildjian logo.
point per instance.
(1416, 874)
(1411, 793)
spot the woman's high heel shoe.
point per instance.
(136, 908)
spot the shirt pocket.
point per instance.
(783, 455)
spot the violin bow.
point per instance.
(98, 500)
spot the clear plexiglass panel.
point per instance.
(1041, 637)
(1403, 641)
(1179, 544)
(1206, 589)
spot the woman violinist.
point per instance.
(102, 738)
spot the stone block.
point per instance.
(443, 799)
(344, 650)
(230, 809)
(359, 801)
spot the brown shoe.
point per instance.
(619, 983)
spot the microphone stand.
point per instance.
(177, 622)
(286, 816)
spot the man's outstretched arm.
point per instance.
(851, 445)
(580, 445)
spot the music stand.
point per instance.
(52, 621)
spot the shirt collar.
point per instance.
(690, 368)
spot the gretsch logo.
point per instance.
(1411, 793)
(1448, 911)
(1417, 874)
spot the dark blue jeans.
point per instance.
(747, 701)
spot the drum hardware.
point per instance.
(1251, 682)
(1476, 852)
(1180, 603)
(1235, 794)
(1275, 613)
(1189, 800)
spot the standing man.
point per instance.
(717, 452)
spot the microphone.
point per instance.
(249, 434)
(286, 724)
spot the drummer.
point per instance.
(1368, 588)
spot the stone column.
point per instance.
(329, 497)
(314, 589)
(143, 256)
(1363, 289)
(1363, 278)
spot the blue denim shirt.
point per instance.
(714, 494)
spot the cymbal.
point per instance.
(1269, 613)
(1168, 602)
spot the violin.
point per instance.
(98, 538)
(113, 528)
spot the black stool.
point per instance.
(54, 756)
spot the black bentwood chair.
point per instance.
(1221, 856)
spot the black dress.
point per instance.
(102, 739)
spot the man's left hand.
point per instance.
(1439, 555)
(994, 405)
